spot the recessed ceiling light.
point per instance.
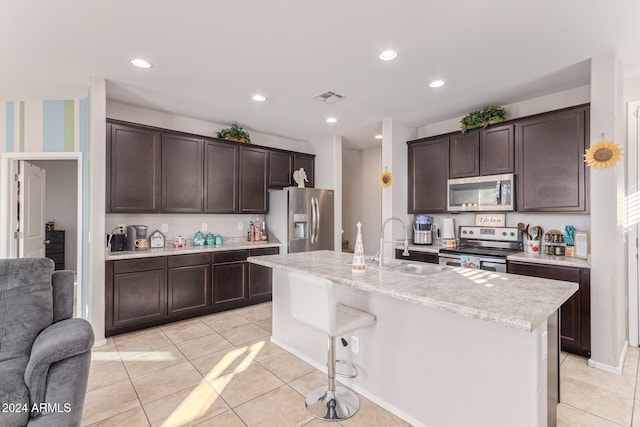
(331, 120)
(388, 55)
(259, 98)
(378, 136)
(140, 63)
(436, 83)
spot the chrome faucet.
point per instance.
(382, 242)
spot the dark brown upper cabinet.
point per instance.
(307, 162)
(280, 169)
(181, 173)
(464, 154)
(254, 165)
(151, 170)
(497, 148)
(133, 169)
(221, 172)
(428, 171)
(551, 170)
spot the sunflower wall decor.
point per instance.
(603, 154)
(385, 179)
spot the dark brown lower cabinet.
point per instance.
(418, 256)
(136, 294)
(188, 284)
(146, 292)
(230, 278)
(260, 277)
(575, 313)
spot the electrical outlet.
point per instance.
(165, 228)
(240, 226)
(204, 226)
(122, 228)
(355, 344)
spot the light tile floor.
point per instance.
(221, 370)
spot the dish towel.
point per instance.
(467, 261)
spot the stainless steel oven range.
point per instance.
(485, 248)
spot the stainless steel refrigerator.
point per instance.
(301, 219)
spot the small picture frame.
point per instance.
(581, 244)
(490, 219)
(156, 239)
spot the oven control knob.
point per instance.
(464, 232)
(471, 232)
(513, 234)
(504, 233)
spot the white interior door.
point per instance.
(633, 218)
(31, 219)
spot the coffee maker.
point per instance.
(422, 230)
(137, 238)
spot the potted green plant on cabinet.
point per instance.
(485, 117)
(235, 133)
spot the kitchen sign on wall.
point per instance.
(490, 219)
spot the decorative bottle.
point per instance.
(359, 264)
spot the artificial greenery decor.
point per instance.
(235, 133)
(485, 117)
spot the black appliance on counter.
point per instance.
(137, 238)
(485, 248)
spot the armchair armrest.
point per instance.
(59, 341)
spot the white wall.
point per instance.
(61, 203)
(129, 113)
(328, 174)
(362, 196)
(554, 101)
(94, 300)
(608, 267)
(352, 196)
(395, 134)
(632, 89)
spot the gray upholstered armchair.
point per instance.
(44, 352)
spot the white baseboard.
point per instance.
(608, 368)
(100, 343)
(375, 399)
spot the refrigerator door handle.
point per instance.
(317, 218)
(312, 232)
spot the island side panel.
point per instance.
(428, 366)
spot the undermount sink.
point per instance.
(417, 268)
(421, 269)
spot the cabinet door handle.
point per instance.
(46, 242)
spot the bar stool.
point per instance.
(313, 303)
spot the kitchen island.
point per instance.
(457, 347)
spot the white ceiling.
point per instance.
(209, 57)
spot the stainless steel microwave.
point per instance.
(481, 193)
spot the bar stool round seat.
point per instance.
(312, 301)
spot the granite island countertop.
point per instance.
(515, 301)
(168, 251)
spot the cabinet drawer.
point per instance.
(141, 264)
(55, 236)
(264, 251)
(57, 258)
(568, 274)
(186, 260)
(55, 248)
(231, 256)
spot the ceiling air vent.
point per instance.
(329, 97)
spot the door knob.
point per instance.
(46, 242)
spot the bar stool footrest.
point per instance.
(349, 364)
